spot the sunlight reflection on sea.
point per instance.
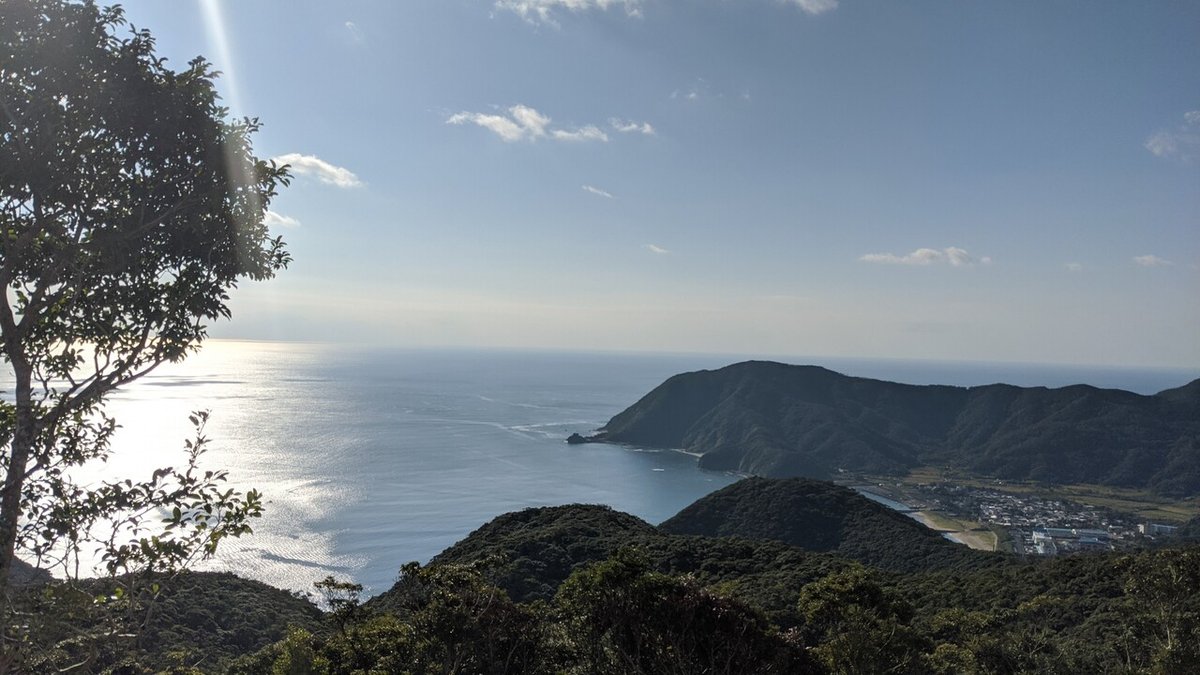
(369, 458)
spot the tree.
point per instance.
(857, 625)
(1163, 592)
(341, 598)
(619, 616)
(130, 205)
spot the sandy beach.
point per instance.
(980, 540)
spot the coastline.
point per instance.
(980, 540)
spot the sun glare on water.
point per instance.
(250, 413)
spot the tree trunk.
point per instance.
(23, 439)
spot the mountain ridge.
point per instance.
(778, 420)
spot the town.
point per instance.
(1023, 523)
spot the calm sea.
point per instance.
(370, 458)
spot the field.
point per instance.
(1145, 504)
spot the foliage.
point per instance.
(619, 616)
(130, 205)
(859, 626)
(614, 617)
(187, 619)
(342, 598)
(447, 619)
(694, 604)
(535, 550)
(531, 552)
(1165, 587)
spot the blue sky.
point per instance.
(949, 180)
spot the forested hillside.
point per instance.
(779, 420)
(820, 516)
(586, 589)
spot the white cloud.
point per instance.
(959, 257)
(547, 11)
(589, 133)
(1182, 142)
(654, 248)
(1151, 260)
(503, 127)
(815, 7)
(356, 34)
(544, 11)
(629, 126)
(524, 123)
(272, 219)
(311, 165)
(531, 120)
(952, 255)
(1074, 267)
(597, 191)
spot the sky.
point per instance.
(1015, 181)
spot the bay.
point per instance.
(372, 457)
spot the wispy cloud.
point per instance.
(356, 34)
(598, 192)
(702, 90)
(1151, 260)
(1181, 143)
(952, 255)
(503, 127)
(629, 126)
(272, 219)
(655, 248)
(546, 11)
(523, 123)
(695, 92)
(311, 165)
(589, 133)
(1074, 267)
(815, 7)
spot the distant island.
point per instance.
(777, 420)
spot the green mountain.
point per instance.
(779, 420)
(819, 516)
(541, 547)
(532, 552)
(588, 589)
(750, 528)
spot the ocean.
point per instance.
(369, 458)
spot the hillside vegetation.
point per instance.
(820, 516)
(586, 589)
(779, 420)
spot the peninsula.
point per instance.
(771, 419)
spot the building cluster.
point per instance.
(1039, 526)
(1055, 540)
(1157, 529)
